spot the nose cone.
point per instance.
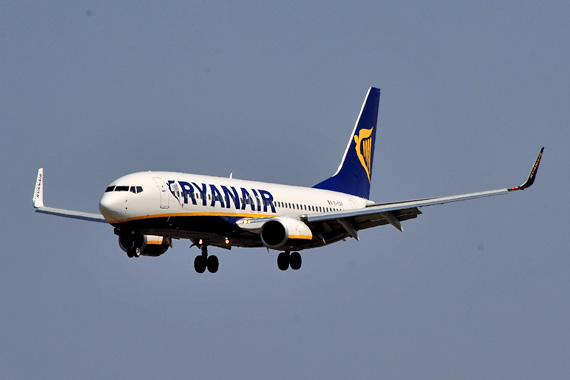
(112, 207)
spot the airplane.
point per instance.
(150, 209)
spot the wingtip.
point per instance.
(532, 176)
(38, 199)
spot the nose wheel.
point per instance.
(133, 252)
(203, 262)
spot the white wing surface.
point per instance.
(41, 208)
(396, 212)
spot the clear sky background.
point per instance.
(270, 91)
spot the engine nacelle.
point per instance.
(284, 231)
(149, 245)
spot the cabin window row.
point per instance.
(292, 206)
(303, 207)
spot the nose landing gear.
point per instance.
(133, 252)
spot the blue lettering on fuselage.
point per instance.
(246, 199)
(257, 199)
(233, 194)
(216, 196)
(187, 192)
(203, 191)
(227, 196)
(267, 200)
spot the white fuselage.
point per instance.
(183, 205)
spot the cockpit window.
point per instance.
(132, 189)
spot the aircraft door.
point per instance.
(163, 192)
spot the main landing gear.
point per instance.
(204, 261)
(289, 259)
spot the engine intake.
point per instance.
(149, 245)
(284, 231)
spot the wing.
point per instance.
(39, 205)
(394, 213)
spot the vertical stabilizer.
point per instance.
(355, 171)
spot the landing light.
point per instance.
(227, 241)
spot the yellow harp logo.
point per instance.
(364, 149)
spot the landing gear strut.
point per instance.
(204, 261)
(131, 243)
(287, 259)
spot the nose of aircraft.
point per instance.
(112, 206)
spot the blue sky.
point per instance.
(270, 91)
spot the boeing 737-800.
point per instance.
(150, 209)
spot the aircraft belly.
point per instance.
(212, 229)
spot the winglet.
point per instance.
(39, 190)
(532, 175)
(41, 208)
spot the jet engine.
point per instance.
(284, 231)
(135, 244)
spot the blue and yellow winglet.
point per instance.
(531, 176)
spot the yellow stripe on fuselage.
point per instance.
(191, 214)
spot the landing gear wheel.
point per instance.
(283, 260)
(212, 263)
(295, 260)
(131, 252)
(200, 264)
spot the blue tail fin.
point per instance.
(355, 171)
